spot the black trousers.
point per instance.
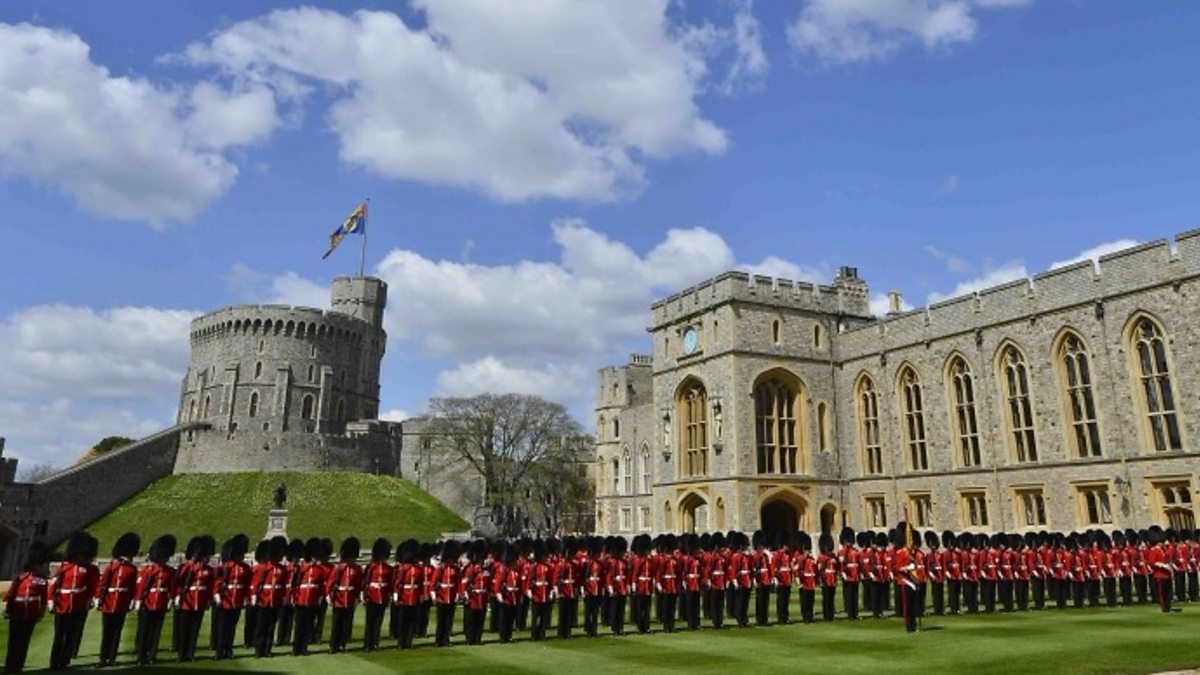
(63, 649)
(541, 611)
(286, 625)
(1078, 593)
(1179, 590)
(568, 615)
(1126, 586)
(828, 593)
(1110, 591)
(189, 634)
(954, 588)
(149, 633)
(762, 606)
(1021, 589)
(1162, 592)
(939, 597)
(406, 624)
(908, 606)
(111, 626)
(1038, 585)
(1193, 586)
(339, 633)
(668, 601)
(1141, 584)
(264, 630)
(20, 631)
(1062, 589)
(226, 621)
(494, 619)
(304, 619)
(1093, 592)
(374, 626)
(970, 591)
(522, 613)
(783, 604)
(591, 614)
(318, 633)
(733, 603)
(850, 599)
(987, 588)
(248, 626)
(473, 620)
(445, 624)
(876, 592)
(691, 609)
(1006, 594)
(641, 613)
(617, 615)
(807, 600)
(716, 607)
(506, 617)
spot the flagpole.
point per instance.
(362, 255)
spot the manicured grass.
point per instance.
(1137, 639)
(333, 504)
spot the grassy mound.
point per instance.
(332, 504)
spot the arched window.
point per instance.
(1156, 394)
(312, 373)
(775, 331)
(341, 410)
(716, 331)
(1075, 371)
(822, 426)
(692, 414)
(645, 486)
(616, 476)
(191, 410)
(817, 336)
(627, 472)
(306, 407)
(775, 415)
(616, 428)
(912, 407)
(257, 369)
(962, 399)
(1018, 409)
(253, 408)
(207, 405)
(868, 426)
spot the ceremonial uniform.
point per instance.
(1158, 559)
(269, 588)
(617, 582)
(156, 587)
(667, 582)
(593, 588)
(905, 573)
(196, 587)
(848, 565)
(475, 586)
(716, 581)
(232, 594)
(25, 604)
(828, 565)
(444, 592)
(343, 588)
(785, 573)
(763, 563)
(114, 597)
(568, 571)
(692, 571)
(540, 590)
(409, 582)
(72, 592)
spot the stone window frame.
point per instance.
(874, 510)
(824, 430)
(818, 337)
(644, 522)
(1076, 371)
(1093, 498)
(776, 332)
(626, 519)
(920, 508)
(1178, 510)
(866, 412)
(910, 397)
(973, 508)
(616, 428)
(645, 475)
(691, 411)
(252, 404)
(1020, 422)
(616, 476)
(1154, 439)
(780, 440)
(1029, 500)
(601, 428)
(258, 369)
(308, 407)
(626, 471)
(207, 406)
(962, 397)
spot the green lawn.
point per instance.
(1125, 640)
(335, 504)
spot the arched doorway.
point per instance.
(782, 513)
(828, 516)
(693, 514)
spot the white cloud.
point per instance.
(1094, 253)
(555, 382)
(992, 277)
(57, 431)
(517, 101)
(395, 415)
(953, 262)
(773, 266)
(880, 304)
(846, 31)
(119, 146)
(750, 61)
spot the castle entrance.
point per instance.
(693, 514)
(828, 512)
(782, 513)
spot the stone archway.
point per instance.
(693, 514)
(828, 518)
(782, 512)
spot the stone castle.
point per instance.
(1063, 402)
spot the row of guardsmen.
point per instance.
(509, 586)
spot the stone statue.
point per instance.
(281, 496)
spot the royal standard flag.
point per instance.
(355, 223)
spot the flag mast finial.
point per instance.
(362, 255)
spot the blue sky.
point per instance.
(539, 173)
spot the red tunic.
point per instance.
(445, 583)
(829, 567)
(763, 563)
(377, 584)
(714, 571)
(409, 582)
(807, 571)
(848, 562)
(785, 568)
(155, 587)
(26, 597)
(73, 587)
(196, 588)
(666, 579)
(344, 585)
(593, 577)
(507, 581)
(114, 594)
(233, 584)
(566, 576)
(269, 585)
(539, 582)
(616, 576)
(476, 586)
(741, 569)
(1159, 562)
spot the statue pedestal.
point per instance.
(276, 523)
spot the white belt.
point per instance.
(310, 585)
(27, 598)
(345, 588)
(235, 586)
(118, 590)
(197, 588)
(377, 584)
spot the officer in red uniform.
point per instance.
(507, 588)
(196, 587)
(905, 572)
(1041, 573)
(830, 571)
(262, 553)
(1124, 562)
(72, 592)
(989, 571)
(1008, 565)
(667, 578)
(971, 561)
(155, 593)
(1026, 562)
(1158, 558)
(616, 582)
(232, 594)
(343, 588)
(568, 570)
(1063, 561)
(762, 562)
(691, 578)
(807, 571)
(377, 592)
(592, 580)
(539, 589)
(785, 573)
(326, 560)
(475, 589)
(848, 566)
(741, 577)
(309, 588)
(716, 579)
(445, 591)
(935, 567)
(407, 589)
(953, 562)
(25, 604)
(114, 595)
(269, 588)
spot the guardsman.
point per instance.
(691, 570)
(114, 595)
(616, 581)
(1008, 569)
(848, 566)
(870, 571)
(970, 559)
(1121, 545)
(1181, 554)
(1061, 571)
(667, 581)
(828, 565)
(641, 571)
(343, 588)
(269, 588)
(539, 588)
(1193, 575)
(261, 555)
(1110, 563)
(1080, 560)
(1141, 567)
(377, 592)
(763, 562)
(1026, 561)
(1095, 560)
(409, 582)
(568, 573)
(592, 579)
(306, 597)
(954, 570)
(292, 565)
(525, 546)
(1041, 569)
(1158, 558)
(806, 572)
(905, 573)
(716, 579)
(989, 572)
(72, 592)
(785, 574)
(25, 604)
(444, 591)
(189, 553)
(232, 594)
(153, 596)
(741, 574)
(196, 587)
(935, 569)
(475, 590)
(326, 560)
(91, 551)
(507, 587)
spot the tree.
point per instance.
(509, 440)
(37, 472)
(107, 444)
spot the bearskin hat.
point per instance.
(931, 539)
(127, 545)
(262, 551)
(350, 549)
(162, 548)
(847, 536)
(38, 555)
(279, 548)
(381, 549)
(826, 542)
(804, 541)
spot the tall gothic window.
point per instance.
(775, 426)
(868, 427)
(1156, 394)
(912, 406)
(616, 476)
(306, 407)
(645, 469)
(966, 424)
(1080, 406)
(1014, 378)
(693, 421)
(253, 408)
(627, 471)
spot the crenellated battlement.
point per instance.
(277, 320)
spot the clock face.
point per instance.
(691, 339)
